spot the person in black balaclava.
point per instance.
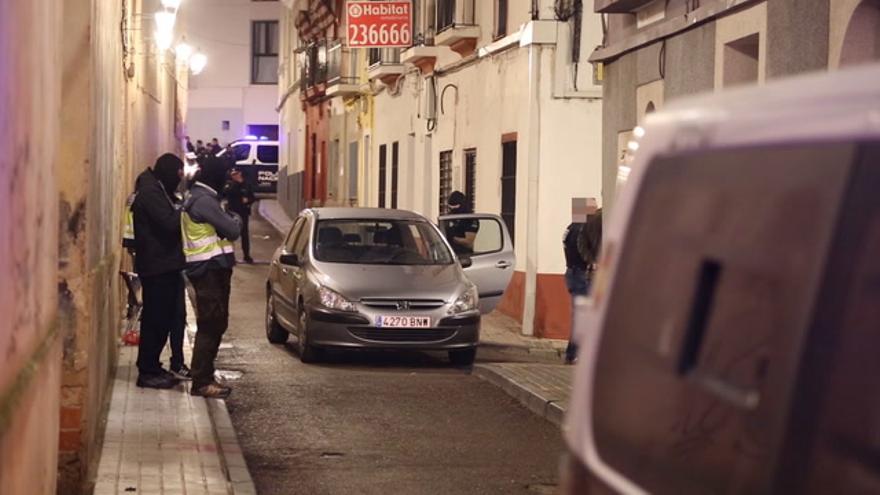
(159, 264)
(461, 233)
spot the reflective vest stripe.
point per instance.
(128, 231)
(200, 240)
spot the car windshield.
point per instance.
(380, 242)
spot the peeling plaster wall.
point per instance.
(30, 363)
(114, 124)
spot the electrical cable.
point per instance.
(661, 60)
(443, 97)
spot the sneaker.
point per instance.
(212, 391)
(182, 373)
(248, 260)
(160, 381)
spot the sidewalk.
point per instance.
(160, 442)
(543, 386)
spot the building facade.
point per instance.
(657, 50)
(236, 94)
(494, 98)
(86, 103)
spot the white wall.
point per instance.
(221, 29)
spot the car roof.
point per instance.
(364, 213)
(255, 141)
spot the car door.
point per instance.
(298, 273)
(267, 167)
(492, 255)
(283, 288)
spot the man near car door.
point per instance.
(208, 233)
(158, 263)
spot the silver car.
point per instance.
(376, 278)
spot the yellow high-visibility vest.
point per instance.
(200, 240)
(128, 227)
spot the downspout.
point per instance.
(533, 141)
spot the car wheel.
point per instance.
(463, 357)
(307, 352)
(274, 332)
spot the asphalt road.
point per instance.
(372, 423)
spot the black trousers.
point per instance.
(212, 315)
(164, 314)
(245, 236)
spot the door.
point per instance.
(266, 167)
(508, 186)
(490, 250)
(282, 289)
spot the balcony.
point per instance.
(342, 77)
(618, 6)
(456, 26)
(385, 65)
(313, 78)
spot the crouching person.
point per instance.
(208, 233)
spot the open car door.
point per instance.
(491, 253)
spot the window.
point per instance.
(290, 242)
(445, 14)
(264, 52)
(267, 153)
(489, 235)
(242, 152)
(741, 61)
(508, 185)
(500, 18)
(470, 176)
(383, 172)
(380, 242)
(353, 172)
(445, 180)
(395, 155)
(301, 245)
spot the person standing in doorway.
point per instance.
(158, 262)
(208, 233)
(240, 197)
(578, 268)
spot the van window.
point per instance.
(267, 153)
(242, 151)
(722, 261)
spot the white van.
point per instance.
(733, 342)
(258, 161)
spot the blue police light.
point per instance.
(251, 137)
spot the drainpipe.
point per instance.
(533, 141)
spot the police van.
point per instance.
(731, 343)
(257, 158)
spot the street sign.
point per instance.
(379, 24)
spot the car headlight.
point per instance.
(331, 299)
(467, 301)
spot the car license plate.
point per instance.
(403, 321)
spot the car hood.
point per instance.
(356, 282)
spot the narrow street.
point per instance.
(372, 422)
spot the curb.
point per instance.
(269, 218)
(544, 407)
(541, 354)
(234, 465)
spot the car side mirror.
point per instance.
(289, 260)
(466, 262)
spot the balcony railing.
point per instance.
(340, 68)
(315, 66)
(451, 13)
(384, 56)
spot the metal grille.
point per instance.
(403, 334)
(470, 176)
(411, 303)
(445, 180)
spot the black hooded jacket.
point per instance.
(157, 237)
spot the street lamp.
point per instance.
(183, 52)
(164, 34)
(171, 4)
(197, 62)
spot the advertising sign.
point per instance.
(379, 24)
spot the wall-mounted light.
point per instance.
(163, 39)
(165, 21)
(183, 52)
(171, 4)
(197, 63)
